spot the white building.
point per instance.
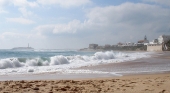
(155, 41)
(163, 38)
(93, 46)
(143, 42)
(127, 44)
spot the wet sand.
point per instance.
(158, 62)
(152, 83)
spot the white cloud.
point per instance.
(13, 36)
(24, 3)
(64, 3)
(114, 22)
(128, 14)
(36, 3)
(130, 19)
(163, 2)
(25, 12)
(2, 11)
(19, 3)
(71, 27)
(7, 35)
(44, 29)
(3, 2)
(20, 20)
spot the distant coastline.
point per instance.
(160, 44)
(115, 48)
(23, 48)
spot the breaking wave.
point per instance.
(61, 61)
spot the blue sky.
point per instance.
(73, 24)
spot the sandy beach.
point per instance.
(85, 46)
(157, 81)
(151, 83)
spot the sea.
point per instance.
(68, 61)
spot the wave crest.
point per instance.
(57, 60)
(10, 63)
(72, 61)
(104, 55)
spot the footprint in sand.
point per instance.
(163, 91)
(132, 82)
(149, 89)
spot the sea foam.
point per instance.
(54, 63)
(10, 63)
(104, 55)
(57, 60)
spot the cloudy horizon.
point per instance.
(74, 24)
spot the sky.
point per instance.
(74, 24)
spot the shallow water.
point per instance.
(157, 63)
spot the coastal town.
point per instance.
(162, 43)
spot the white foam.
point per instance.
(57, 60)
(32, 62)
(104, 55)
(10, 63)
(30, 70)
(65, 63)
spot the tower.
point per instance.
(145, 38)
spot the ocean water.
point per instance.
(60, 61)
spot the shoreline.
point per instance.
(113, 70)
(151, 82)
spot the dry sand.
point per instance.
(152, 83)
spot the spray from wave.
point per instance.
(54, 63)
(59, 60)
